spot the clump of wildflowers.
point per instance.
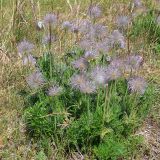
(24, 47)
(55, 90)
(137, 85)
(35, 80)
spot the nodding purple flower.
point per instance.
(118, 63)
(122, 21)
(80, 64)
(29, 60)
(66, 25)
(88, 87)
(91, 55)
(85, 26)
(74, 28)
(87, 44)
(137, 3)
(97, 31)
(100, 30)
(35, 80)
(103, 46)
(81, 83)
(94, 11)
(50, 19)
(99, 75)
(117, 38)
(55, 90)
(113, 73)
(24, 47)
(77, 80)
(46, 39)
(137, 85)
(134, 62)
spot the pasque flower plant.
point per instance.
(93, 95)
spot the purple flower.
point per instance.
(55, 90)
(137, 3)
(35, 80)
(134, 62)
(80, 64)
(97, 31)
(118, 63)
(103, 46)
(29, 59)
(122, 21)
(99, 75)
(24, 47)
(87, 44)
(77, 80)
(74, 28)
(85, 26)
(113, 73)
(94, 11)
(117, 38)
(81, 83)
(50, 19)
(88, 87)
(90, 55)
(137, 85)
(66, 25)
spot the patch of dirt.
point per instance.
(151, 132)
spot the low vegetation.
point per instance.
(85, 92)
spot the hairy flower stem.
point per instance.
(98, 96)
(106, 105)
(88, 107)
(50, 36)
(134, 104)
(50, 47)
(124, 99)
(128, 40)
(51, 73)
